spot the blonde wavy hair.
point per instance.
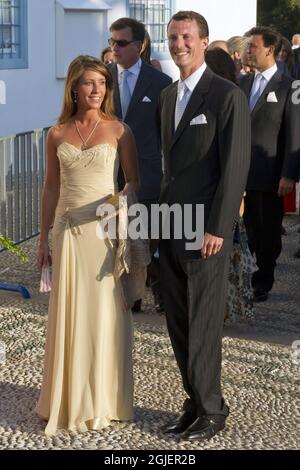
(75, 71)
(237, 44)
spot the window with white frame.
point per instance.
(155, 14)
(13, 34)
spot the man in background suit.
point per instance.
(137, 90)
(295, 73)
(206, 147)
(274, 157)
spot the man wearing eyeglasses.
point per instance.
(137, 89)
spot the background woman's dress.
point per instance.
(87, 378)
(239, 304)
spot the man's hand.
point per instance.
(285, 186)
(211, 245)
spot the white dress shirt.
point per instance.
(189, 84)
(134, 75)
(267, 74)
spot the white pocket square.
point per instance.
(271, 98)
(201, 119)
(146, 99)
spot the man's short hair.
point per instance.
(269, 35)
(137, 28)
(192, 15)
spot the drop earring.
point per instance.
(75, 96)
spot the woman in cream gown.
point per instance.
(88, 378)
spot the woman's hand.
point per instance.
(43, 255)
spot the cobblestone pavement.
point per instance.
(260, 381)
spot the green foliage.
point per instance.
(283, 15)
(9, 245)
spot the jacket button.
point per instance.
(172, 178)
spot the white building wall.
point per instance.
(226, 18)
(33, 96)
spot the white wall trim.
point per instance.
(83, 5)
(2, 92)
(64, 8)
(59, 40)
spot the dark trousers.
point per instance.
(263, 219)
(194, 295)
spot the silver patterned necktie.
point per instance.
(125, 94)
(256, 91)
(182, 99)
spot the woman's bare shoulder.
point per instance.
(118, 128)
(56, 133)
(123, 129)
(56, 130)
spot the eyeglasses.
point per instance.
(120, 42)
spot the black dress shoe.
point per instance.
(160, 308)
(137, 307)
(260, 296)
(180, 424)
(158, 300)
(159, 304)
(204, 428)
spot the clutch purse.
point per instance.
(45, 283)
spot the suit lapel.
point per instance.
(247, 84)
(271, 86)
(194, 103)
(168, 116)
(117, 100)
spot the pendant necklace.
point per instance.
(84, 142)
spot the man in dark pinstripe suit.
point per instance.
(206, 145)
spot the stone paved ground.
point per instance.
(261, 383)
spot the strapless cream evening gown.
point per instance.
(87, 379)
